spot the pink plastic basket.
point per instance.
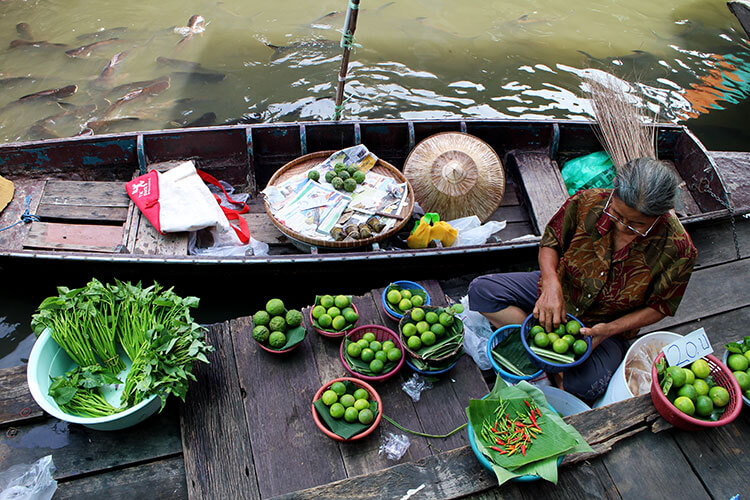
(381, 334)
(331, 335)
(721, 375)
(359, 383)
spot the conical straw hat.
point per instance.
(6, 192)
(456, 175)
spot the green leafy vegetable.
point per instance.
(739, 347)
(78, 392)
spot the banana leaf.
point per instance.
(557, 439)
(293, 337)
(362, 367)
(512, 349)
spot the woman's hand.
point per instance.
(550, 307)
(598, 333)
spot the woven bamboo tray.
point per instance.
(308, 161)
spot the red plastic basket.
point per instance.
(721, 375)
(381, 334)
(332, 335)
(359, 383)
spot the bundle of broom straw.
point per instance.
(625, 130)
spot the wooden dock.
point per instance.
(247, 429)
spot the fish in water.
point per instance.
(24, 31)
(180, 64)
(199, 76)
(10, 81)
(204, 120)
(102, 125)
(86, 50)
(108, 33)
(191, 70)
(318, 45)
(42, 129)
(638, 62)
(196, 24)
(50, 94)
(150, 90)
(108, 72)
(42, 44)
(128, 87)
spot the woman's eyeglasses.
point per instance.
(619, 221)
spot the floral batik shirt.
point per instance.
(599, 284)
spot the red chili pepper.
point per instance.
(496, 449)
(523, 450)
(527, 403)
(500, 442)
(533, 418)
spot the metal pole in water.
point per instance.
(347, 39)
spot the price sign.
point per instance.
(687, 349)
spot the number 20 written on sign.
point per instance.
(687, 349)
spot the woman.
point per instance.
(616, 259)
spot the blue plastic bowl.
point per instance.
(548, 367)
(435, 372)
(405, 285)
(498, 336)
(486, 461)
(745, 400)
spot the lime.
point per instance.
(350, 315)
(428, 338)
(325, 321)
(685, 405)
(414, 342)
(747, 355)
(277, 324)
(701, 386)
(275, 307)
(678, 376)
(376, 366)
(688, 391)
(689, 376)
(337, 410)
(333, 311)
(404, 305)
(388, 345)
(276, 339)
(406, 294)
(553, 337)
(381, 356)
(560, 346)
(457, 308)
(318, 311)
(409, 329)
(261, 318)
(743, 379)
(326, 301)
(329, 397)
(375, 345)
(347, 400)
(341, 301)
(362, 404)
(431, 317)
(573, 327)
(422, 327)
(569, 339)
(719, 396)
(361, 394)
(438, 329)
(737, 362)
(394, 354)
(704, 406)
(580, 347)
(700, 368)
(417, 300)
(339, 388)
(338, 323)
(560, 330)
(367, 355)
(393, 297)
(366, 417)
(417, 314)
(536, 329)
(747, 394)
(445, 319)
(261, 333)
(368, 336)
(313, 175)
(351, 414)
(541, 339)
(354, 349)
(363, 343)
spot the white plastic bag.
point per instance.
(472, 232)
(477, 332)
(29, 482)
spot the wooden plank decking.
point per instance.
(245, 437)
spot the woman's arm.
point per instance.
(550, 307)
(631, 321)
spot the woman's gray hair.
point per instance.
(647, 185)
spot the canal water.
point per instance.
(276, 61)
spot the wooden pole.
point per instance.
(347, 39)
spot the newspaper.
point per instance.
(315, 208)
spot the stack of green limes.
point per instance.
(371, 357)
(334, 314)
(270, 325)
(565, 340)
(402, 299)
(738, 360)
(432, 333)
(693, 391)
(352, 407)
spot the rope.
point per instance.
(340, 107)
(26, 217)
(353, 6)
(347, 41)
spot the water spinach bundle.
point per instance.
(151, 326)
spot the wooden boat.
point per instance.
(76, 187)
